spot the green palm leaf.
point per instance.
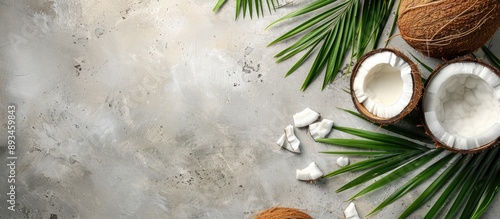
(466, 196)
(398, 173)
(435, 186)
(414, 182)
(491, 56)
(492, 188)
(248, 6)
(358, 153)
(364, 144)
(363, 165)
(382, 138)
(340, 27)
(454, 185)
(380, 170)
(412, 132)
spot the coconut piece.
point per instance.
(320, 129)
(311, 172)
(350, 212)
(445, 29)
(343, 161)
(281, 140)
(461, 106)
(305, 117)
(385, 86)
(291, 140)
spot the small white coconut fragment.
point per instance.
(291, 140)
(322, 129)
(343, 161)
(350, 212)
(305, 117)
(313, 130)
(281, 140)
(311, 172)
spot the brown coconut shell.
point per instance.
(438, 143)
(417, 89)
(448, 28)
(282, 213)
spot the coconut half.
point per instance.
(385, 86)
(461, 106)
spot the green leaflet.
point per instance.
(454, 185)
(491, 56)
(470, 188)
(435, 186)
(414, 182)
(415, 133)
(382, 138)
(401, 171)
(492, 188)
(380, 170)
(342, 26)
(363, 165)
(364, 144)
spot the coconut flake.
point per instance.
(320, 129)
(305, 117)
(291, 140)
(343, 161)
(311, 172)
(350, 212)
(281, 140)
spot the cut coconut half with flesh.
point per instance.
(461, 106)
(385, 86)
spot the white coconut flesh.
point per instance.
(462, 105)
(383, 84)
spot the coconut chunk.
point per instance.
(311, 172)
(462, 105)
(281, 140)
(350, 212)
(291, 140)
(343, 161)
(320, 129)
(305, 117)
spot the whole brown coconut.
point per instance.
(448, 28)
(282, 213)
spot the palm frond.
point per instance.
(399, 172)
(380, 170)
(248, 6)
(382, 138)
(414, 182)
(435, 186)
(454, 186)
(412, 131)
(341, 26)
(363, 165)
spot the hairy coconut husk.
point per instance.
(438, 143)
(282, 213)
(417, 89)
(448, 28)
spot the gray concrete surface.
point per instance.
(162, 109)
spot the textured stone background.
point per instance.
(162, 109)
